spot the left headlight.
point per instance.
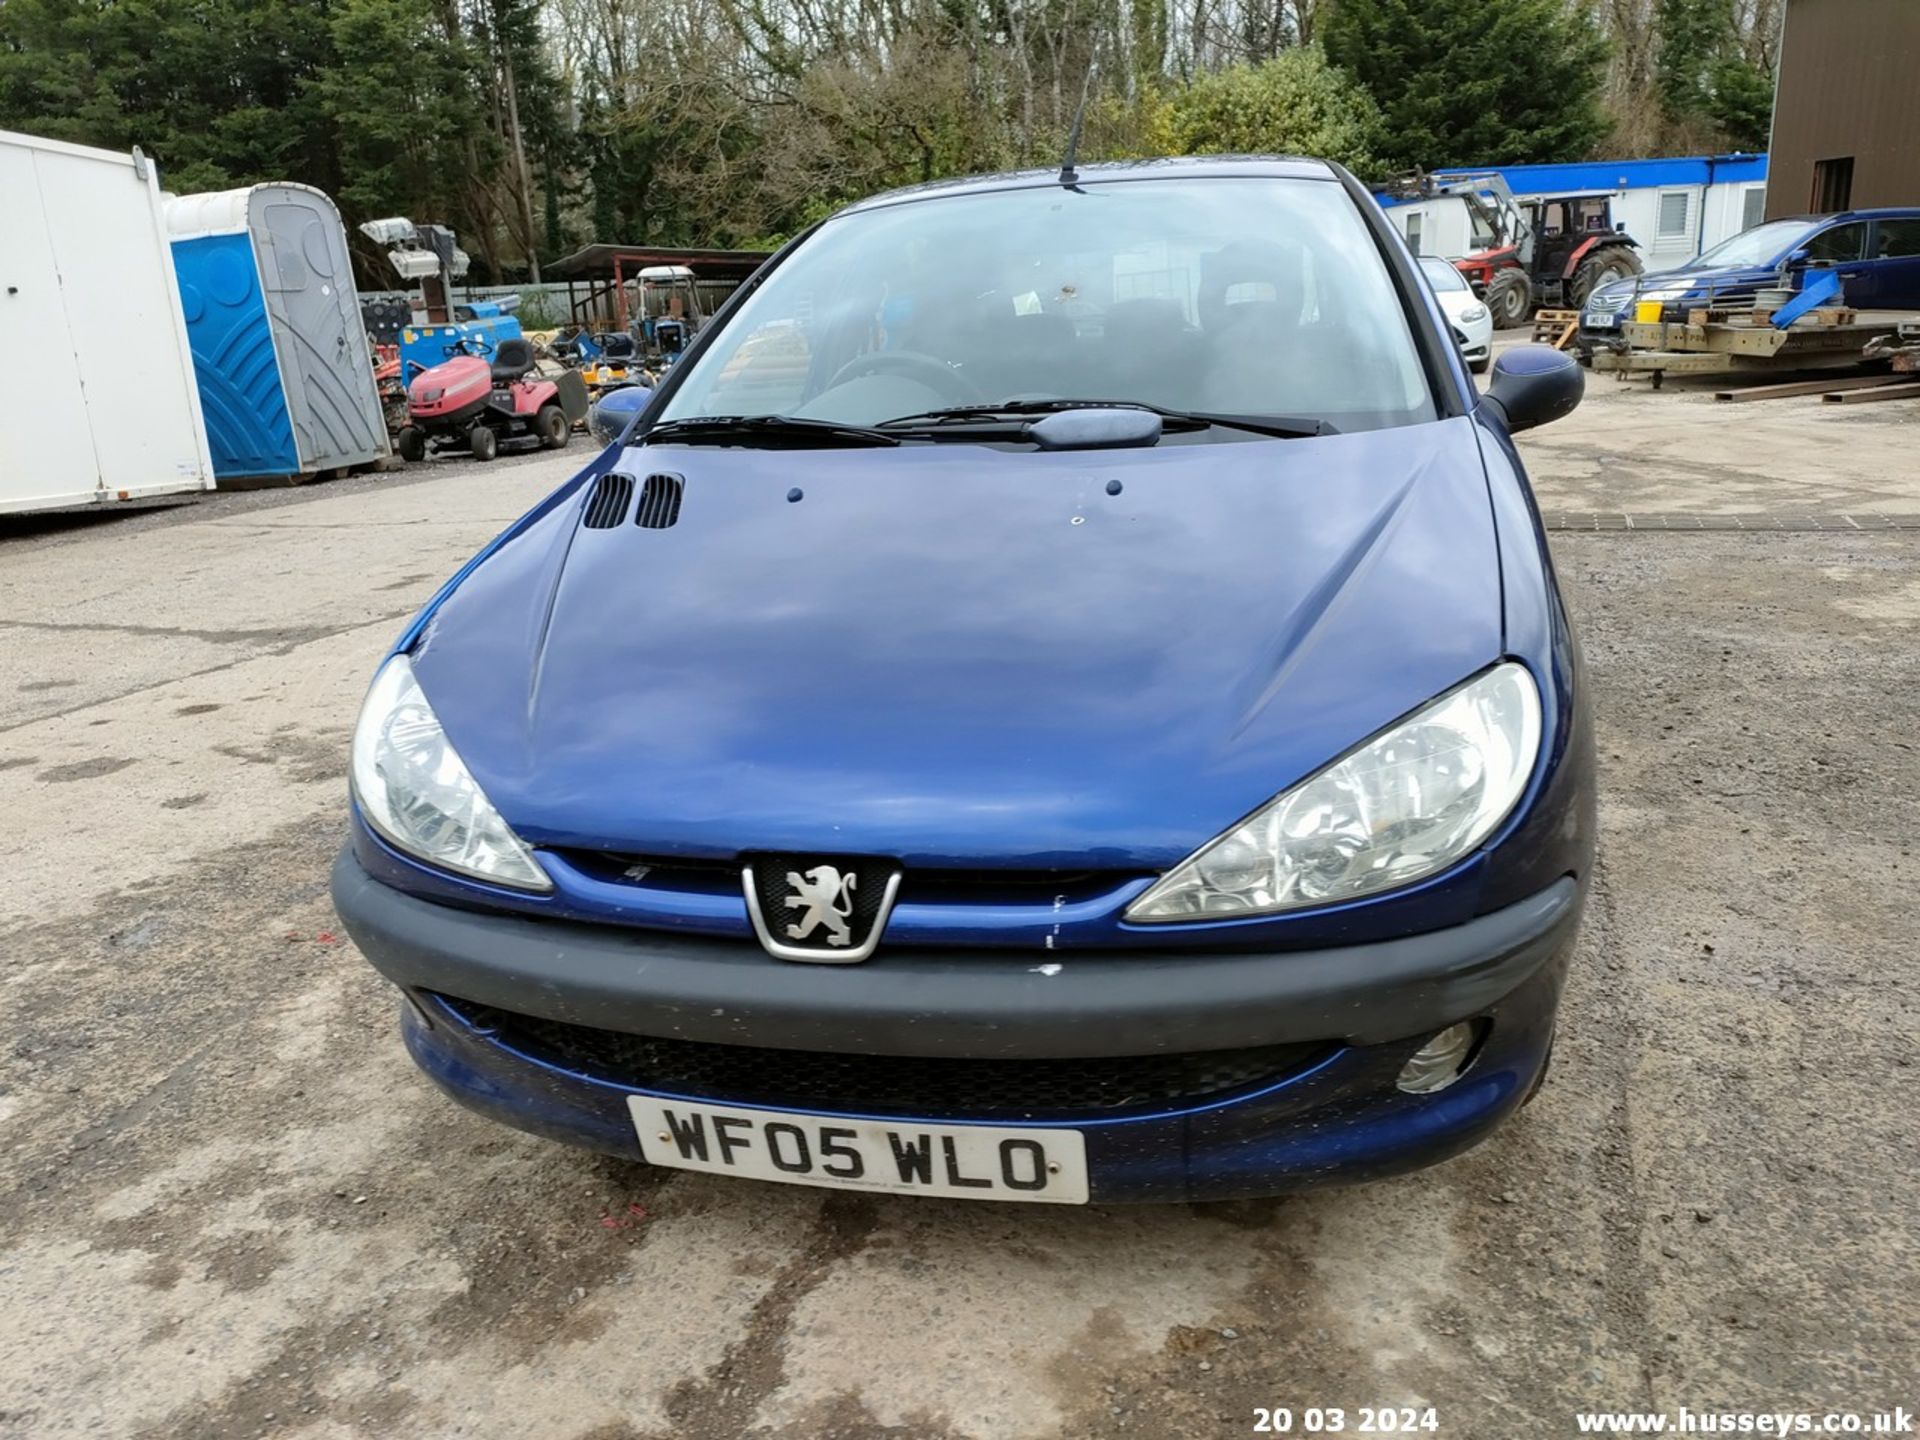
(416, 791)
(1403, 806)
(1474, 314)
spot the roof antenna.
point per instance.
(1069, 175)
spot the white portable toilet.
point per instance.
(279, 346)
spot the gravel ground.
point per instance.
(229, 1207)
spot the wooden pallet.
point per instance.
(1555, 327)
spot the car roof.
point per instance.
(1883, 212)
(1280, 167)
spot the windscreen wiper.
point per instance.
(1285, 426)
(764, 429)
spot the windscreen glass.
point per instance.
(1248, 296)
(1760, 245)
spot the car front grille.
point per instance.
(931, 886)
(889, 1084)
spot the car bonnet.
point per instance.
(961, 654)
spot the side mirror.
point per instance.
(1533, 384)
(613, 412)
(1798, 257)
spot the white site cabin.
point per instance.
(1675, 208)
(103, 407)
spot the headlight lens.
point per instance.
(1403, 806)
(414, 789)
(1473, 314)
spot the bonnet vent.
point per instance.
(607, 507)
(659, 502)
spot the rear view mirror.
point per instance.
(1533, 384)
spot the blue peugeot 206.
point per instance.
(1060, 696)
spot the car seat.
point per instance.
(1257, 361)
(1147, 351)
(1033, 355)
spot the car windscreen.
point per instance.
(1238, 295)
(1443, 276)
(1760, 245)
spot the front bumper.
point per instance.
(1337, 1118)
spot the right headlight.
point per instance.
(415, 790)
(1403, 806)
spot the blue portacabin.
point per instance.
(1061, 696)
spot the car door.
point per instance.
(1892, 281)
(1841, 248)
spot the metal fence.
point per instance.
(542, 307)
(547, 307)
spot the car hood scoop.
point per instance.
(961, 655)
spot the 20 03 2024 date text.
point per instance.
(1333, 1420)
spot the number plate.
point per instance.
(966, 1162)
(1595, 321)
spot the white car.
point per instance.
(1464, 311)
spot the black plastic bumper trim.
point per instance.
(983, 1003)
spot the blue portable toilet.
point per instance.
(279, 347)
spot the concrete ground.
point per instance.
(230, 1207)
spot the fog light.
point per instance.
(1439, 1062)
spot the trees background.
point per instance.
(534, 126)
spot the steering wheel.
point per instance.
(934, 373)
(467, 345)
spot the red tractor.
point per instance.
(1544, 251)
(468, 401)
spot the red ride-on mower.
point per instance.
(473, 403)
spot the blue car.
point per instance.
(1875, 252)
(1060, 696)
